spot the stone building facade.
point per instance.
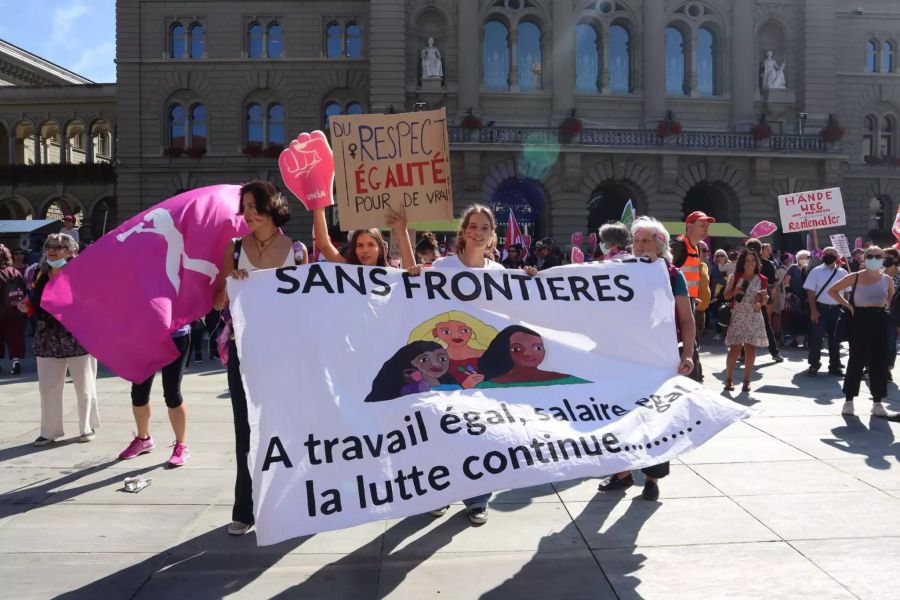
(207, 92)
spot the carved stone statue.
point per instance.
(772, 77)
(431, 61)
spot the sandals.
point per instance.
(746, 386)
(729, 386)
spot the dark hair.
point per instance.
(754, 245)
(389, 381)
(350, 252)
(742, 259)
(428, 243)
(269, 201)
(615, 234)
(496, 360)
(5, 257)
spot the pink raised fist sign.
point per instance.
(307, 168)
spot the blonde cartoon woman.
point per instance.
(465, 338)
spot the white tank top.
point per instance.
(245, 264)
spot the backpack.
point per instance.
(13, 293)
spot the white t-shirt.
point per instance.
(817, 279)
(453, 262)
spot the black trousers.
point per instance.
(243, 484)
(172, 374)
(868, 340)
(657, 471)
(773, 346)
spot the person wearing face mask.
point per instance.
(614, 240)
(870, 292)
(58, 351)
(796, 298)
(823, 313)
(892, 269)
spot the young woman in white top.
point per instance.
(475, 241)
(265, 210)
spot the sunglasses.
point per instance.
(879, 256)
(55, 247)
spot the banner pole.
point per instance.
(815, 239)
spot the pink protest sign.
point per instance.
(307, 168)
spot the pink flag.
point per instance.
(125, 295)
(763, 229)
(513, 233)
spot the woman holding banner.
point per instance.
(871, 291)
(650, 240)
(366, 246)
(265, 210)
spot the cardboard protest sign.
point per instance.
(391, 162)
(815, 209)
(841, 244)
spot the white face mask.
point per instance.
(803, 262)
(874, 264)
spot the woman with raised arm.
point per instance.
(366, 246)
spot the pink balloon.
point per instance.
(763, 229)
(307, 168)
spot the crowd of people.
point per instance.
(748, 297)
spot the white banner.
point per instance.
(373, 394)
(816, 209)
(841, 244)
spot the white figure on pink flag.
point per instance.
(164, 225)
(307, 168)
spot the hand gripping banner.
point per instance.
(374, 394)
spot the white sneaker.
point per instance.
(238, 528)
(87, 437)
(878, 410)
(847, 409)
(478, 516)
(439, 512)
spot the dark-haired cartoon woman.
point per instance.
(512, 360)
(416, 367)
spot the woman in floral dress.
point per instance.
(746, 290)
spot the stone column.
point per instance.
(89, 146)
(11, 145)
(563, 43)
(63, 148)
(743, 66)
(654, 80)
(36, 138)
(603, 67)
(470, 62)
(513, 60)
(690, 66)
(387, 55)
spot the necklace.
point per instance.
(263, 245)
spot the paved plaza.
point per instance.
(795, 502)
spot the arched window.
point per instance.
(255, 40)
(198, 40)
(674, 62)
(886, 142)
(877, 213)
(177, 126)
(354, 108)
(706, 62)
(255, 125)
(275, 43)
(872, 56)
(333, 40)
(198, 126)
(529, 55)
(868, 142)
(887, 57)
(276, 125)
(587, 55)
(331, 109)
(619, 60)
(354, 41)
(176, 39)
(496, 55)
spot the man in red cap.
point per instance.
(686, 256)
(70, 229)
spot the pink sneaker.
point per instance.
(180, 455)
(137, 447)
